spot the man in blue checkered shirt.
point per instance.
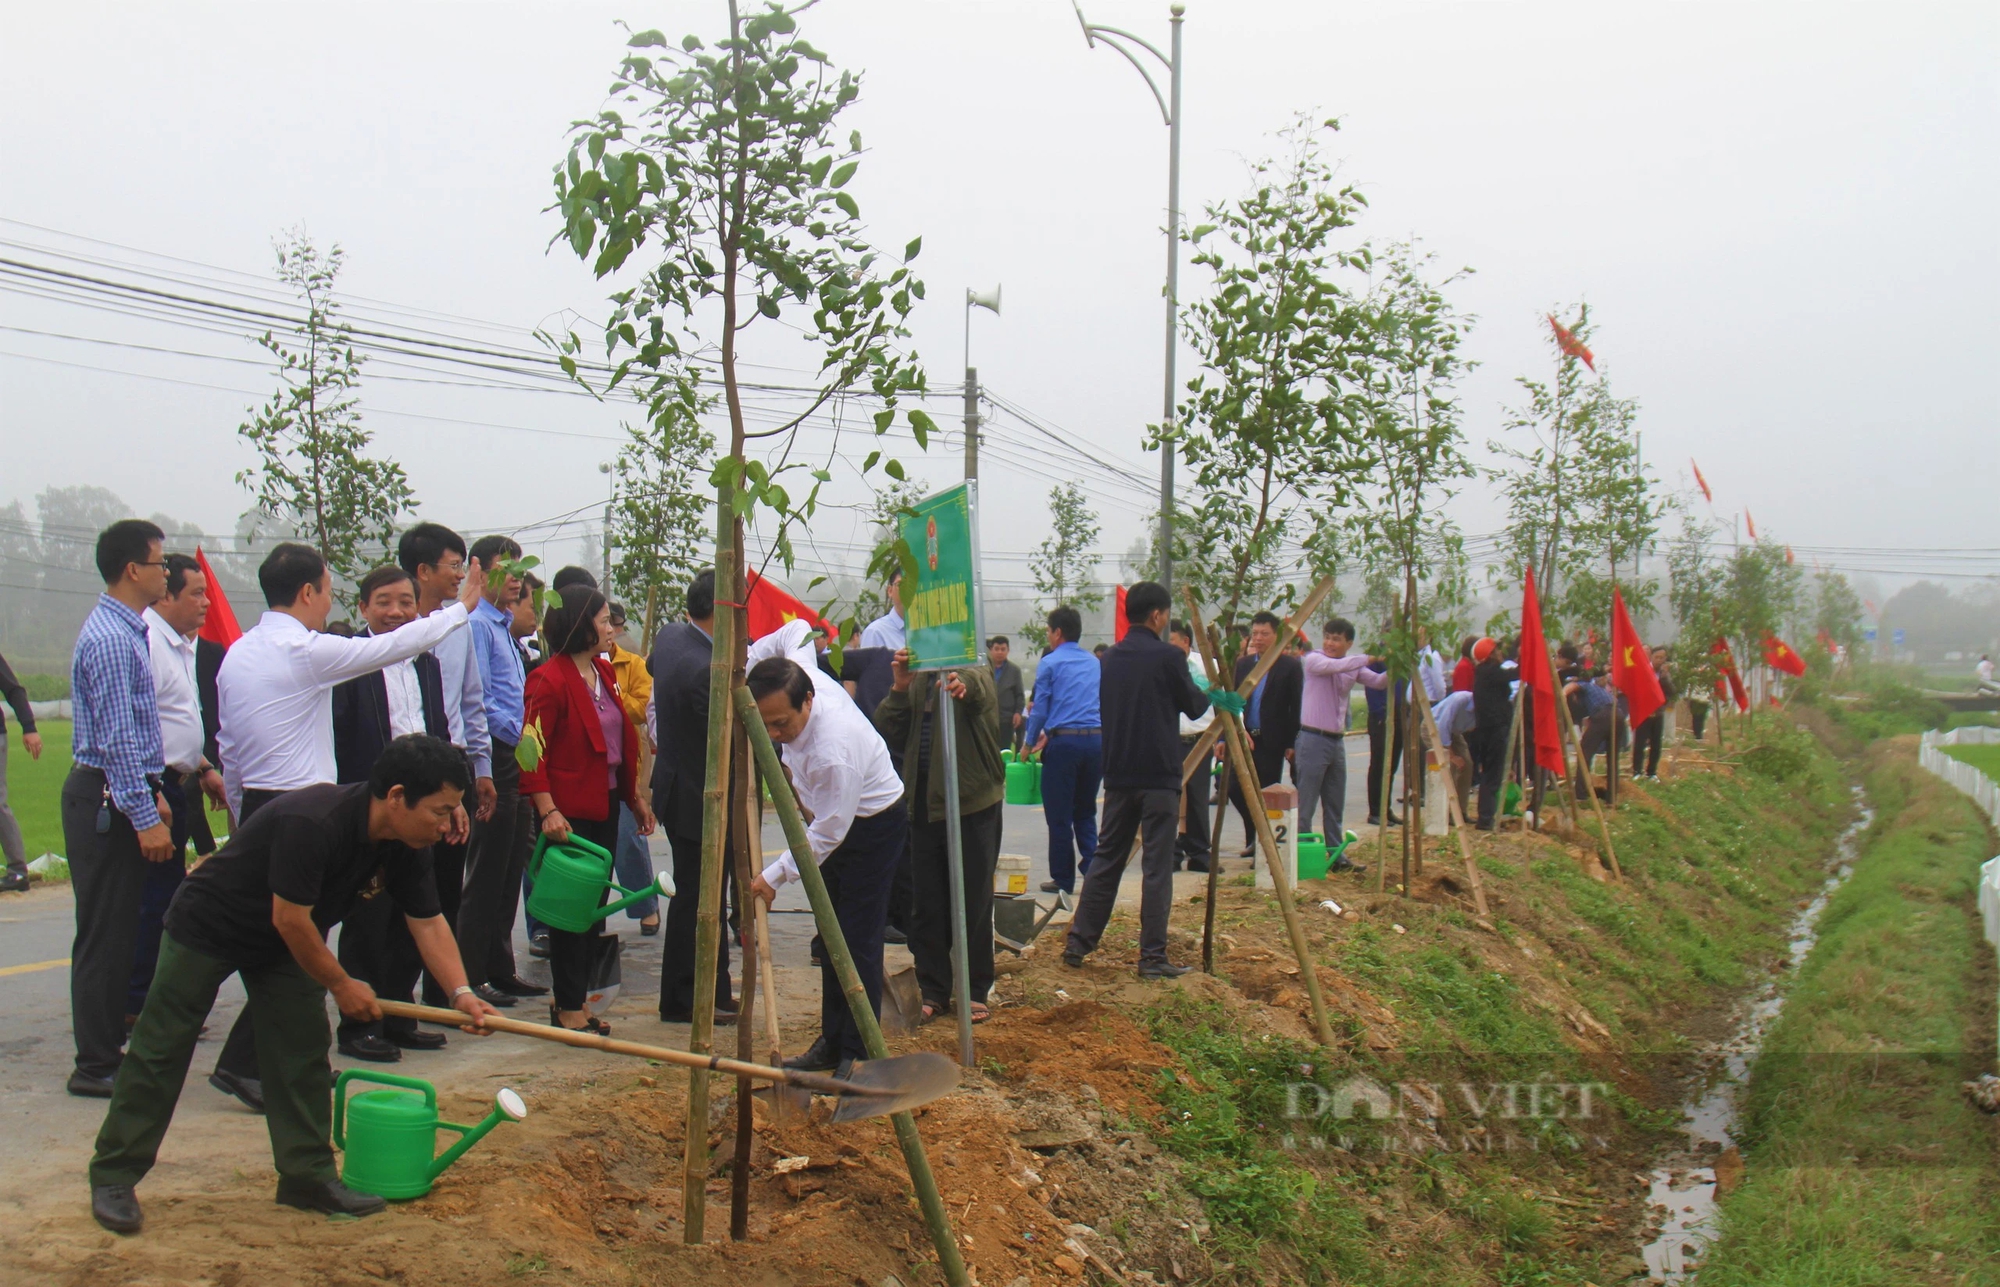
(114, 821)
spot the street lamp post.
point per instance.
(1170, 111)
(988, 300)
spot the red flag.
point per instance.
(1750, 523)
(1539, 679)
(770, 606)
(1119, 625)
(1826, 641)
(1570, 345)
(1730, 685)
(1778, 655)
(1631, 665)
(220, 625)
(1702, 483)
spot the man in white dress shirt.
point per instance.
(275, 694)
(171, 625)
(841, 772)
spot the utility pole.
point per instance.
(610, 500)
(1170, 111)
(971, 423)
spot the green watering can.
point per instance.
(389, 1136)
(1024, 781)
(569, 879)
(1315, 858)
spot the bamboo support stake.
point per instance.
(1246, 781)
(1209, 668)
(714, 856)
(1453, 813)
(1590, 788)
(936, 1218)
(748, 843)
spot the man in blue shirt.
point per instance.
(114, 819)
(1063, 726)
(498, 853)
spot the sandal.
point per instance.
(592, 1024)
(980, 1014)
(931, 1011)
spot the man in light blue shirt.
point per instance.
(1063, 726)
(887, 630)
(499, 849)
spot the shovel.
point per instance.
(875, 1088)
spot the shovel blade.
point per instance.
(787, 1103)
(899, 1083)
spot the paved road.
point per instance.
(45, 1133)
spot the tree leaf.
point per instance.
(894, 468)
(847, 204)
(912, 250)
(844, 173)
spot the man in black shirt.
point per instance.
(261, 908)
(1145, 690)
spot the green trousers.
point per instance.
(288, 1011)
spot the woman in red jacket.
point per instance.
(590, 753)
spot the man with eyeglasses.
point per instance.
(113, 816)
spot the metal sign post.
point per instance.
(941, 623)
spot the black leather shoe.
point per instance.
(1050, 887)
(516, 986)
(723, 1014)
(1197, 864)
(328, 1196)
(890, 934)
(247, 1089)
(818, 1057)
(116, 1207)
(82, 1083)
(493, 996)
(1074, 960)
(417, 1039)
(1163, 970)
(649, 929)
(844, 1069)
(372, 1048)
(538, 946)
(16, 882)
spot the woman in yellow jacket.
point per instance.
(635, 688)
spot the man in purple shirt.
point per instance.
(1321, 750)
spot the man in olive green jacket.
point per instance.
(907, 719)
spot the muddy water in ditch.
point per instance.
(1683, 1181)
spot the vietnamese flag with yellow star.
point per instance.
(1778, 655)
(1539, 680)
(1632, 665)
(771, 607)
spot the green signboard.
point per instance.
(941, 612)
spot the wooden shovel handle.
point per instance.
(593, 1041)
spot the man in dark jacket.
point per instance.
(1144, 691)
(907, 719)
(1272, 717)
(679, 664)
(375, 944)
(1493, 708)
(1007, 685)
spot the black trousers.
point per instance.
(1148, 815)
(1698, 715)
(1647, 735)
(448, 866)
(677, 947)
(1385, 748)
(930, 923)
(858, 875)
(1270, 764)
(108, 881)
(239, 1052)
(1194, 831)
(376, 947)
(162, 880)
(1595, 737)
(903, 893)
(1489, 749)
(569, 954)
(492, 886)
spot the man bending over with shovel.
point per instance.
(261, 908)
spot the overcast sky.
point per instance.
(1785, 218)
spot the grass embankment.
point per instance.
(1583, 982)
(34, 787)
(1984, 758)
(1864, 1165)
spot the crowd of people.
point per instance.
(374, 775)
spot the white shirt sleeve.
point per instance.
(793, 639)
(334, 660)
